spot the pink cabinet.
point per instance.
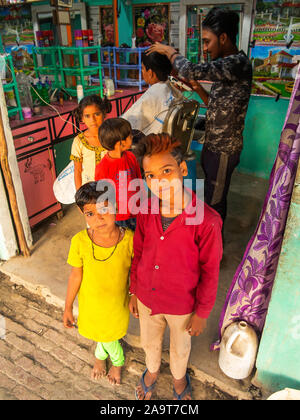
(37, 169)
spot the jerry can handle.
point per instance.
(231, 340)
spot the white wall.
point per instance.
(8, 243)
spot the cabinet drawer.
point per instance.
(37, 173)
(30, 137)
(63, 127)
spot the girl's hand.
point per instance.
(133, 306)
(196, 325)
(68, 318)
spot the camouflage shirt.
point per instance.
(228, 98)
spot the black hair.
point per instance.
(91, 192)
(221, 21)
(112, 131)
(159, 64)
(103, 104)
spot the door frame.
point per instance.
(246, 22)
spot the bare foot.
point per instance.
(149, 380)
(114, 375)
(99, 369)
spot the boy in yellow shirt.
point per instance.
(100, 257)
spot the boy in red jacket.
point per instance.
(119, 165)
(175, 269)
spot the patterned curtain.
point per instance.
(250, 291)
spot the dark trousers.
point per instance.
(218, 168)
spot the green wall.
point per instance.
(263, 126)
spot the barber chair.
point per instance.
(180, 123)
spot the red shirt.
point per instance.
(176, 272)
(109, 168)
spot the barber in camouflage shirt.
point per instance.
(231, 73)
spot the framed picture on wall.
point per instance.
(64, 3)
(107, 26)
(151, 23)
(275, 48)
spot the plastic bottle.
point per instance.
(238, 350)
(44, 93)
(24, 90)
(110, 87)
(79, 93)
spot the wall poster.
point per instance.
(107, 26)
(275, 55)
(151, 24)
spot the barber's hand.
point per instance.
(194, 84)
(196, 325)
(133, 306)
(161, 49)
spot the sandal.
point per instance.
(187, 389)
(145, 388)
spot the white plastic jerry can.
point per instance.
(238, 350)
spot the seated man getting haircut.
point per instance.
(147, 114)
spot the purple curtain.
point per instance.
(250, 291)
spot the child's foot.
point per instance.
(182, 388)
(145, 388)
(99, 369)
(114, 375)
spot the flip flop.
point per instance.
(145, 388)
(187, 389)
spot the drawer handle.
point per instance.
(30, 139)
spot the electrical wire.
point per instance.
(174, 102)
(49, 105)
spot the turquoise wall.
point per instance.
(263, 126)
(278, 361)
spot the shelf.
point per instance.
(60, 71)
(13, 86)
(131, 82)
(121, 54)
(76, 71)
(76, 50)
(87, 90)
(127, 66)
(8, 86)
(45, 50)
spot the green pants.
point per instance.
(113, 349)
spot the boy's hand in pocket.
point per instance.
(133, 306)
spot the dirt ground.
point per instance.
(40, 359)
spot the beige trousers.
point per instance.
(152, 330)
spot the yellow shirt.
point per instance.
(103, 295)
(89, 155)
